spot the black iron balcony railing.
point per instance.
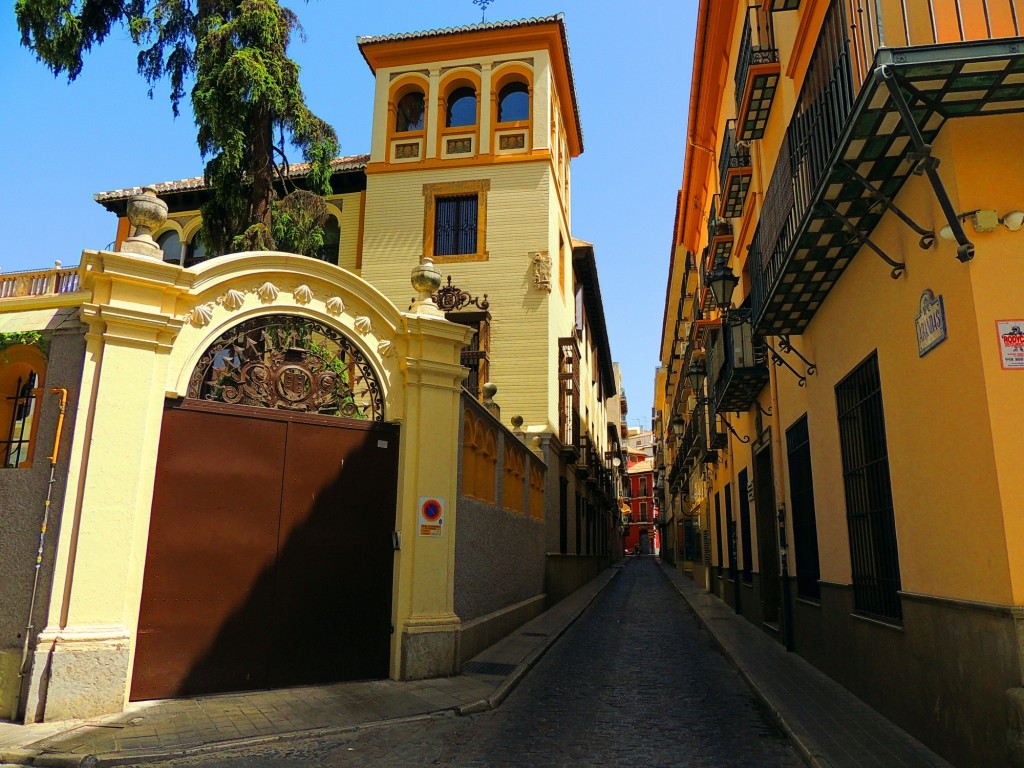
(847, 145)
(737, 366)
(757, 73)
(734, 173)
(720, 237)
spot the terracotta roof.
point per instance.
(350, 163)
(647, 465)
(367, 39)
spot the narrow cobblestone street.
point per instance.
(626, 685)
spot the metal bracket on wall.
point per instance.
(763, 411)
(778, 359)
(787, 347)
(927, 237)
(926, 163)
(744, 439)
(858, 238)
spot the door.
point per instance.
(269, 560)
(767, 543)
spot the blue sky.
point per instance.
(631, 62)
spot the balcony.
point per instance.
(734, 173)
(848, 146)
(757, 73)
(737, 367)
(569, 431)
(39, 282)
(720, 237)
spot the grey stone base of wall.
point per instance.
(430, 654)
(564, 574)
(1015, 726)
(950, 673)
(78, 680)
(480, 634)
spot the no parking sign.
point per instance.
(431, 516)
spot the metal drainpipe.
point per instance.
(23, 667)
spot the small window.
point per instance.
(643, 511)
(514, 103)
(411, 109)
(332, 239)
(23, 410)
(170, 243)
(455, 225)
(461, 108)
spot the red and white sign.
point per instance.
(1011, 344)
(431, 516)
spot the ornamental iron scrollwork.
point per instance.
(450, 298)
(288, 363)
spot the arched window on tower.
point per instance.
(461, 107)
(514, 102)
(410, 112)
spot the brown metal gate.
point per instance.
(270, 558)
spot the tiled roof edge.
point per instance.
(349, 163)
(485, 25)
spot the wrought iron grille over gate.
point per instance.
(289, 363)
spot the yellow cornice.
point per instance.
(435, 164)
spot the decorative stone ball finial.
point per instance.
(426, 279)
(517, 425)
(489, 390)
(147, 213)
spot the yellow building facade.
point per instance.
(201, 388)
(839, 461)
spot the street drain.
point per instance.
(487, 668)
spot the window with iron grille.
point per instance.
(19, 434)
(455, 225)
(805, 528)
(745, 540)
(874, 555)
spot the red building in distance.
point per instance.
(641, 527)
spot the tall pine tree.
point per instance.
(246, 99)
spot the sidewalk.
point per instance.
(178, 727)
(829, 726)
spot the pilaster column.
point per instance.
(429, 642)
(85, 651)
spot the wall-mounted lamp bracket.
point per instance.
(858, 238)
(763, 411)
(924, 161)
(927, 237)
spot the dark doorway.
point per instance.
(270, 559)
(767, 543)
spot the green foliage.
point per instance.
(246, 93)
(299, 220)
(15, 338)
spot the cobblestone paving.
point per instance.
(635, 682)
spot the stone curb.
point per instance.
(515, 677)
(812, 758)
(30, 757)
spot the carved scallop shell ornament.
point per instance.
(201, 315)
(364, 325)
(303, 294)
(385, 348)
(335, 306)
(267, 292)
(232, 300)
